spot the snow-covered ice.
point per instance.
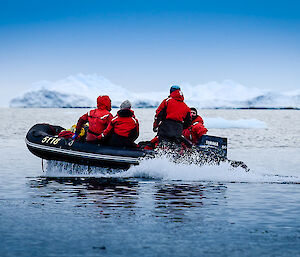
(82, 90)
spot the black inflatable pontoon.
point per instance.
(42, 141)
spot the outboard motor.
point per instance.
(214, 144)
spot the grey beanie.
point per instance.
(125, 105)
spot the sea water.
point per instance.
(158, 208)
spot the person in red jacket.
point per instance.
(197, 129)
(98, 119)
(172, 116)
(123, 129)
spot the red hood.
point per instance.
(177, 95)
(104, 102)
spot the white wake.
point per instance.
(162, 168)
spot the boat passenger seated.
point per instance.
(123, 129)
(98, 119)
(197, 129)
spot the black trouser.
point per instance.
(120, 141)
(171, 131)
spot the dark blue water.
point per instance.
(134, 217)
(157, 209)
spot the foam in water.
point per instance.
(58, 168)
(161, 168)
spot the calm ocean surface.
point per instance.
(157, 208)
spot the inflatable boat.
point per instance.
(42, 140)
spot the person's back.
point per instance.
(172, 116)
(123, 129)
(98, 119)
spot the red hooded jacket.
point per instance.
(195, 131)
(172, 108)
(123, 124)
(98, 118)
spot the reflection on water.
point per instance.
(111, 196)
(176, 200)
(139, 217)
(106, 194)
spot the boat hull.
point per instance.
(42, 141)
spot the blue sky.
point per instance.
(147, 45)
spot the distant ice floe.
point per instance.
(220, 123)
(82, 90)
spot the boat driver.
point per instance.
(197, 129)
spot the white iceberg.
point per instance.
(44, 98)
(82, 90)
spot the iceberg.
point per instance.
(275, 100)
(44, 98)
(81, 90)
